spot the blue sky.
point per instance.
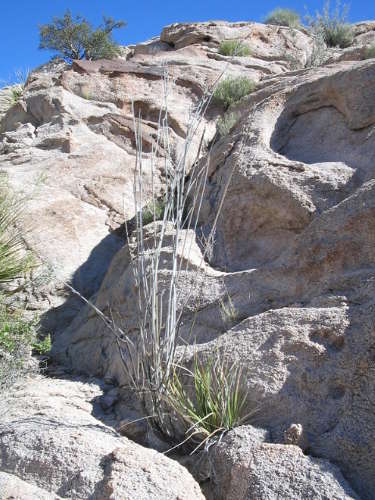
(20, 18)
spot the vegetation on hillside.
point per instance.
(233, 89)
(18, 333)
(284, 17)
(331, 25)
(213, 402)
(234, 48)
(75, 38)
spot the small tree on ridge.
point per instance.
(75, 38)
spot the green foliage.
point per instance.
(233, 89)
(153, 212)
(333, 25)
(217, 402)
(234, 48)
(15, 330)
(42, 346)
(17, 337)
(226, 123)
(75, 38)
(369, 52)
(284, 17)
(15, 262)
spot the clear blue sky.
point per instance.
(20, 18)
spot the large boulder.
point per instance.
(50, 439)
(244, 468)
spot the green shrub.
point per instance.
(17, 338)
(284, 17)
(75, 38)
(153, 212)
(233, 89)
(234, 48)
(217, 401)
(369, 52)
(226, 123)
(333, 27)
(42, 346)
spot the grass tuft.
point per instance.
(233, 89)
(234, 48)
(215, 402)
(284, 17)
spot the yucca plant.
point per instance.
(15, 262)
(213, 402)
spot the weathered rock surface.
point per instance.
(294, 247)
(244, 469)
(51, 439)
(14, 488)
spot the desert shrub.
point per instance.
(75, 38)
(215, 400)
(18, 336)
(42, 346)
(154, 211)
(233, 89)
(284, 17)
(369, 52)
(319, 54)
(226, 123)
(333, 25)
(234, 48)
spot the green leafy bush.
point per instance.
(17, 337)
(284, 17)
(75, 38)
(233, 89)
(42, 346)
(216, 402)
(226, 123)
(234, 48)
(153, 212)
(333, 25)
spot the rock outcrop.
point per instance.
(244, 468)
(294, 252)
(54, 436)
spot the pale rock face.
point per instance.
(294, 246)
(14, 488)
(52, 440)
(244, 468)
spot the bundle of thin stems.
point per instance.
(150, 363)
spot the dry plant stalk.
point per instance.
(150, 363)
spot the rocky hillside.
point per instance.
(294, 250)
